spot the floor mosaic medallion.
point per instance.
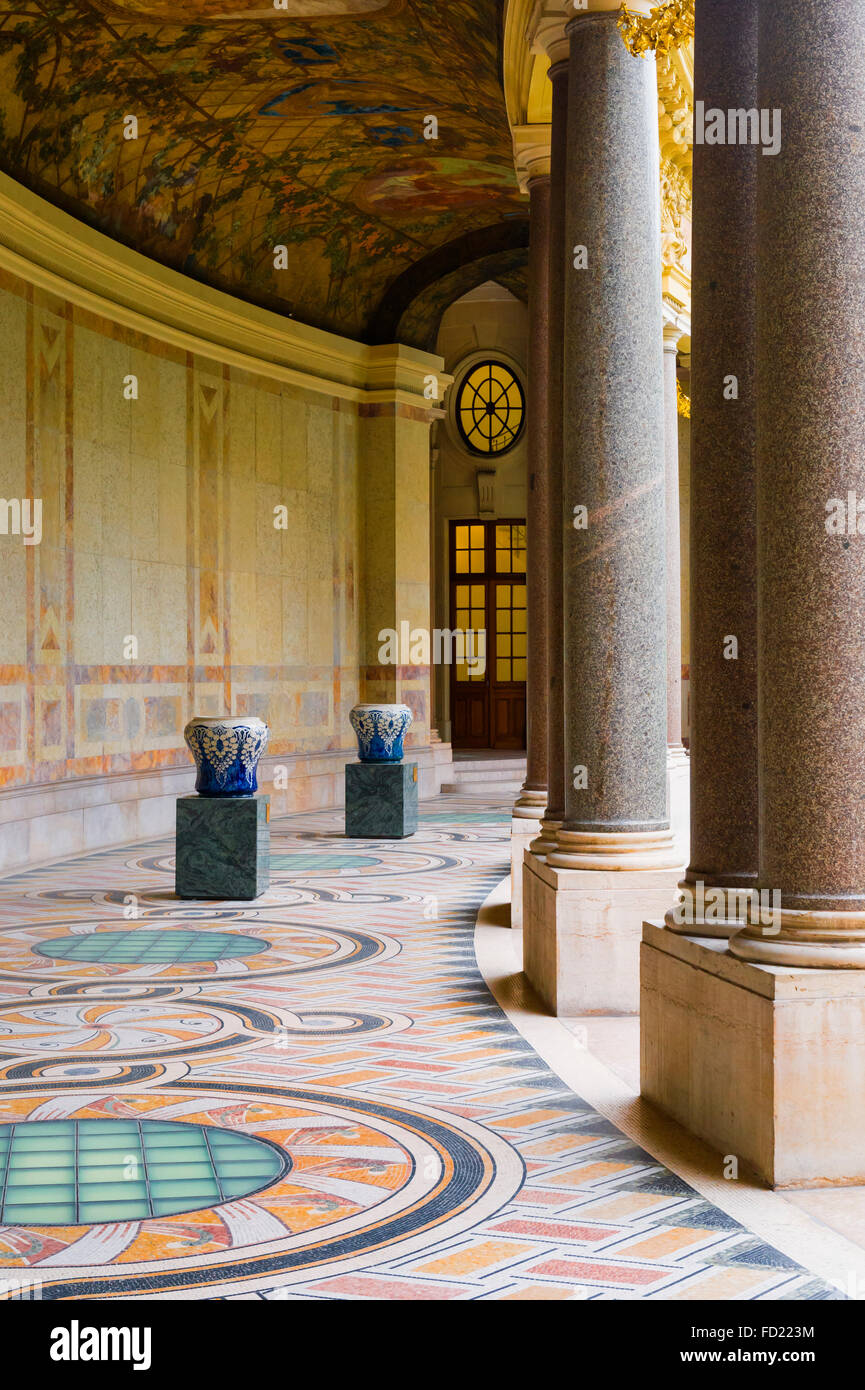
(315, 1096)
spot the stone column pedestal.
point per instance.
(764, 1063)
(582, 952)
(523, 833)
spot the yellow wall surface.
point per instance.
(158, 528)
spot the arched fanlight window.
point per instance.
(490, 408)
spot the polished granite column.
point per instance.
(555, 807)
(723, 594)
(811, 449)
(533, 796)
(614, 859)
(752, 1048)
(613, 478)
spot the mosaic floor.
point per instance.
(315, 1095)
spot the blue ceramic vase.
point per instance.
(380, 731)
(226, 753)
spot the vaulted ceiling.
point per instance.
(300, 126)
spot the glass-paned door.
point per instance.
(488, 616)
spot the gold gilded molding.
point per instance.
(675, 207)
(667, 27)
(682, 401)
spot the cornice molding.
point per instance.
(47, 247)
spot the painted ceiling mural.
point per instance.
(300, 126)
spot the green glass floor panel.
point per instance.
(113, 1191)
(144, 947)
(20, 1184)
(40, 1192)
(161, 1172)
(52, 1143)
(234, 1187)
(28, 1159)
(206, 1190)
(41, 1214)
(110, 1158)
(75, 1172)
(113, 1211)
(160, 1143)
(169, 1206)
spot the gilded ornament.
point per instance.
(667, 27)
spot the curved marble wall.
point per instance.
(166, 580)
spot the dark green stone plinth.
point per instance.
(380, 800)
(223, 847)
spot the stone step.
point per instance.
(500, 791)
(490, 772)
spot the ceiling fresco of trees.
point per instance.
(257, 127)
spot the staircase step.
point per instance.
(483, 772)
(499, 791)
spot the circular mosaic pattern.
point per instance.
(43, 953)
(101, 1027)
(348, 1178)
(322, 863)
(142, 947)
(44, 1071)
(70, 1172)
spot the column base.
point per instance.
(792, 937)
(530, 804)
(523, 831)
(714, 911)
(614, 851)
(581, 934)
(764, 1064)
(546, 841)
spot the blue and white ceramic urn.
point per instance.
(226, 753)
(380, 731)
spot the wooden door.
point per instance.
(488, 595)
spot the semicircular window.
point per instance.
(151, 947)
(72, 1172)
(490, 408)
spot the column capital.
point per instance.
(531, 153)
(672, 334)
(546, 32)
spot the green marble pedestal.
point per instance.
(380, 800)
(223, 846)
